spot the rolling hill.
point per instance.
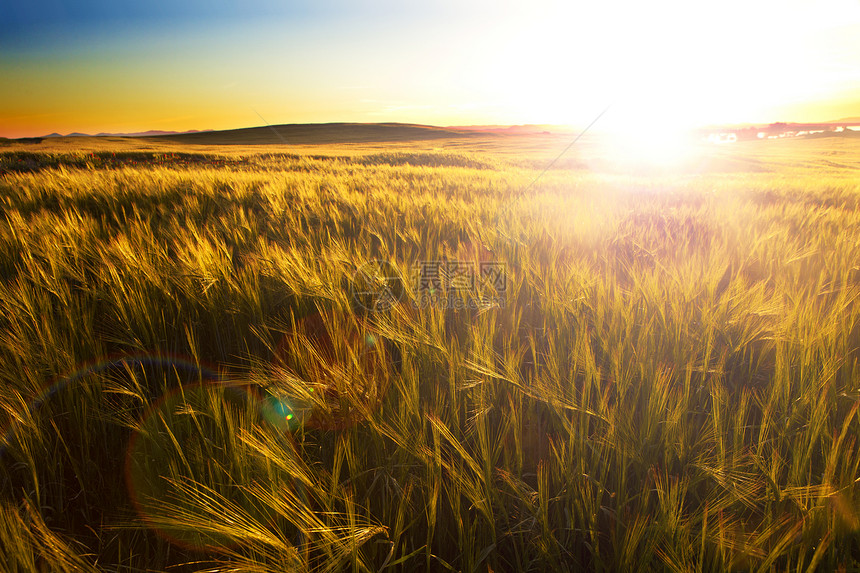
(319, 133)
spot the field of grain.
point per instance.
(201, 368)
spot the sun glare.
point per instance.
(650, 147)
(649, 132)
(672, 62)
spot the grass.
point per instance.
(187, 381)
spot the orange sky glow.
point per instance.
(171, 66)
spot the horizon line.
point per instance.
(476, 127)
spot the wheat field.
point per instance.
(197, 372)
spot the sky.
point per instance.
(102, 66)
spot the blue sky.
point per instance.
(102, 66)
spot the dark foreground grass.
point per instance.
(193, 374)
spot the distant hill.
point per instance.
(528, 129)
(319, 133)
(73, 134)
(135, 134)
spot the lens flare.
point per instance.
(280, 413)
(331, 371)
(119, 362)
(187, 438)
